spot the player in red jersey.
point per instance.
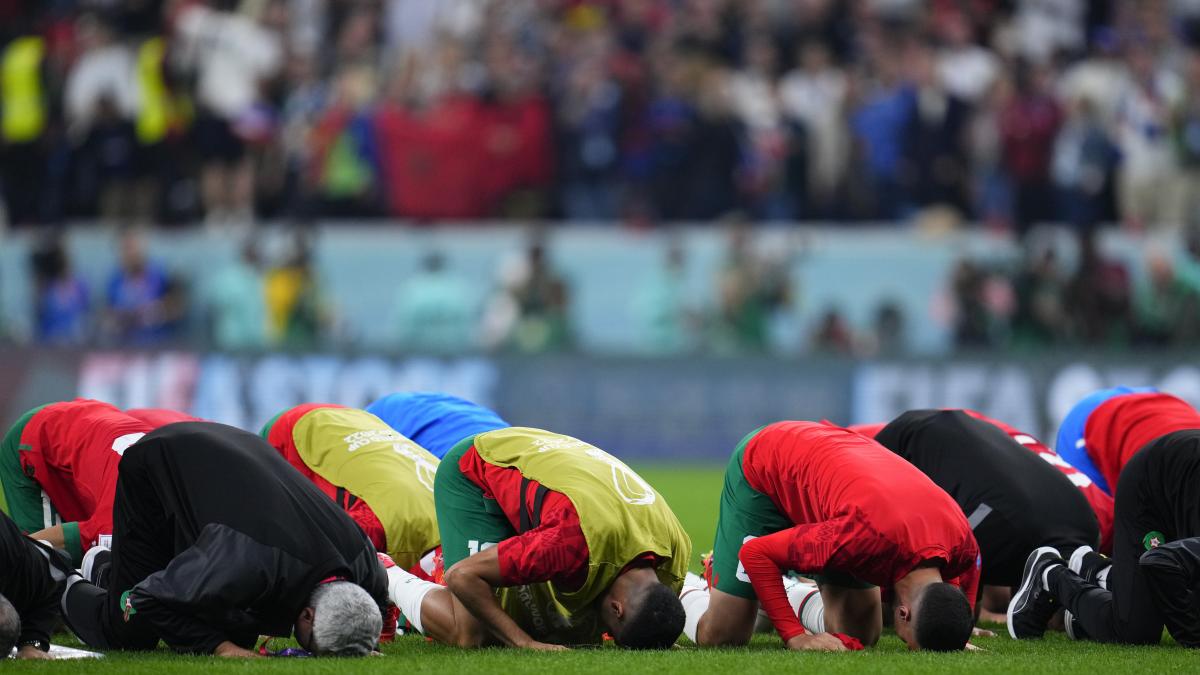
(160, 417)
(1107, 428)
(827, 502)
(58, 471)
(382, 480)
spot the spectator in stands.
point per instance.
(589, 116)
(1098, 297)
(106, 162)
(345, 160)
(879, 120)
(232, 54)
(813, 97)
(1083, 164)
(435, 310)
(833, 335)
(1041, 318)
(235, 302)
(144, 305)
(28, 93)
(991, 183)
(63, 303)
(755, 103)
(888, 333)
(1185, 136)
(1147, 184)
(934, 154)
(1028, 124)
(664, 313)
(103, 70)
(751, 291)
(696, 147)
(297, 316)
(967, 69)
(978, 316)
(542, 298)
(1166, 308)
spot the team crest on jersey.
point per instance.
(1153, 539)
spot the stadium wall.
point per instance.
(644, 409)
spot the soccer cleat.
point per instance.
(1032, 605)
(706, 561)
(97, 563)
(1090, 565)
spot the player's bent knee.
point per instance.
(713, 633)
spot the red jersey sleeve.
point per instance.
(368, 522)
(765, 559)
(555, 550)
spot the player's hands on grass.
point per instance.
(229, 650)
(981, 632)
(972, 648)
(544, 647)
(821, 642)
(31, 652)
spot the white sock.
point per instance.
(806, 602)
(695, 604)
(407, 591)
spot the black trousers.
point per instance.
(1158, 497)
(143, 543)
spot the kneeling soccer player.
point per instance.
(829, 503)
(436, 422)
(31, 583)
(1108, 427)
(217, 541)
(1155, 569)
(58, 470)
(381, 479)
(1013, 500)
(575, 542)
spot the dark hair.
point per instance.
(944, 619)
(10, 626)
(655, 623)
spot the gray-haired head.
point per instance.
(10, 626)
(346, 620)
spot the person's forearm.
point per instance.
(765, 576)
(478, 596)
(230, 650)
(51, 535)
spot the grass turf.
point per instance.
(693, 494)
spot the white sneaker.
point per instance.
(95, 558)
(1075, 564)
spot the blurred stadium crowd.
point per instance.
(749, 301)
(1008, 112)
(998, 113)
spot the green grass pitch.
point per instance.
(693, 494)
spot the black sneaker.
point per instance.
(1032, 605)
(97, 563)
(1074, 630)
(1090, 565)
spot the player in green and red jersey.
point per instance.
(549, 542)
(381, 479)
(830, 503)
(58, 471)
